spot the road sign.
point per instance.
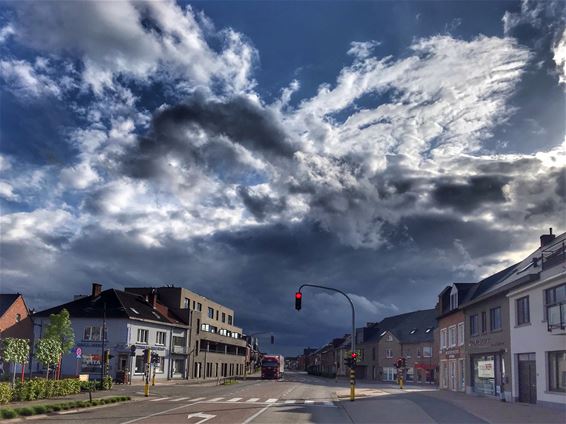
(78, 352)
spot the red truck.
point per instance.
(272, 367)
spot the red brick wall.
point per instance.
(9, 327)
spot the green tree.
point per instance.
(48, 351)
(61, 329)
(16, 351)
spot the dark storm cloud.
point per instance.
(472, 194)
(260, 206)
(175, 130)
(523, 165)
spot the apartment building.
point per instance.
(217, 348)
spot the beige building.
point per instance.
(216, 348)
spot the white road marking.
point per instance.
(290, 401)
(197, 399)
(252, 400)
(271, 400)
(309, 402)
(234, 399)
(215, 399)
(205, 417)
(157, 413)
(178, 399)
(254, 416)
(328, 403)
(158, 399)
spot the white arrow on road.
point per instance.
(205, 417)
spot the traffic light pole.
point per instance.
(352, 370)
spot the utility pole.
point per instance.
(298, 302)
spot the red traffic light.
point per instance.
(298, 295)
(354, 355)
(298, 300)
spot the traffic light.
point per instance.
(272, 339)
(154, 358)
(403, 362)
(146, 355)
(399, 363)
(133, 350)
(298, 300)
(348, 362)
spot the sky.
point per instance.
(241, 149)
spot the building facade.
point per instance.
(125, 324)
(452, 337)
(217, 348)
(537, 313)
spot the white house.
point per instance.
(125, 324)
(537, 314)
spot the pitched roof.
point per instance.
(118, 304)
(410, 327)
(6, 300)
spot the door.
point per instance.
(527, 378)
(452, 375)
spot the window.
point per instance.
(474, 325)
(523, 313)
(205, 327)
(454, 298)
(484, 322)
(388, 353)
(199, 307)
(217, 315)
(230, 319)
(460, 334)
(18, 317)
(187, 303)
(93, 334)
(555, 305)
(495, 319)
(198, 325)
(443, 338)
(427, 351)
(452, 336)
(418, 352)
(557, 371)
(160, 338)
(194, 305)
(408, 354)
(211, 313)
(140, 364)
(143, 336)
(223, 317)
(389, 338)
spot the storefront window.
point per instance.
(557, 371)
(484, 374)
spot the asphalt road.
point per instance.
(298, 398)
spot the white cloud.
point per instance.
(80, 176)
(7, 191)
(362, 49)
(23, 79)
(6, 32)
(560, 57)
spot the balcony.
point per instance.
(556, 316)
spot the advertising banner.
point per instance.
(486, 369)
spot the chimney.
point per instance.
(153, 298)
(96, 289)
(547, 238)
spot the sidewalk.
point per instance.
(495, 411)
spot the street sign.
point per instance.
(78, 352)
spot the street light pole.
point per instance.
(353, 338)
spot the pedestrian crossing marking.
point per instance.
(179, 399)
(234, 399)
(252, 400)
(158, 399)
(271, 400)
(216, 399)
(290, 401)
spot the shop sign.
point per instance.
(486, 369)
(91, 362)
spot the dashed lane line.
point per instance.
(179, 399)
(234, 399)
(271, 400)
(252, 400)
(216, 399)
(158, 399)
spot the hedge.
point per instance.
(6, 393)
(42, 409)
(40, 388)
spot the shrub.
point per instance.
(55, 408)
(40, 388)
(7, 413)
(106, 383)
(6, 393)
(24, 412)
(88, 385)
(39, 409)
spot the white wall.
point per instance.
(535, 338)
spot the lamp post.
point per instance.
(353, 338)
